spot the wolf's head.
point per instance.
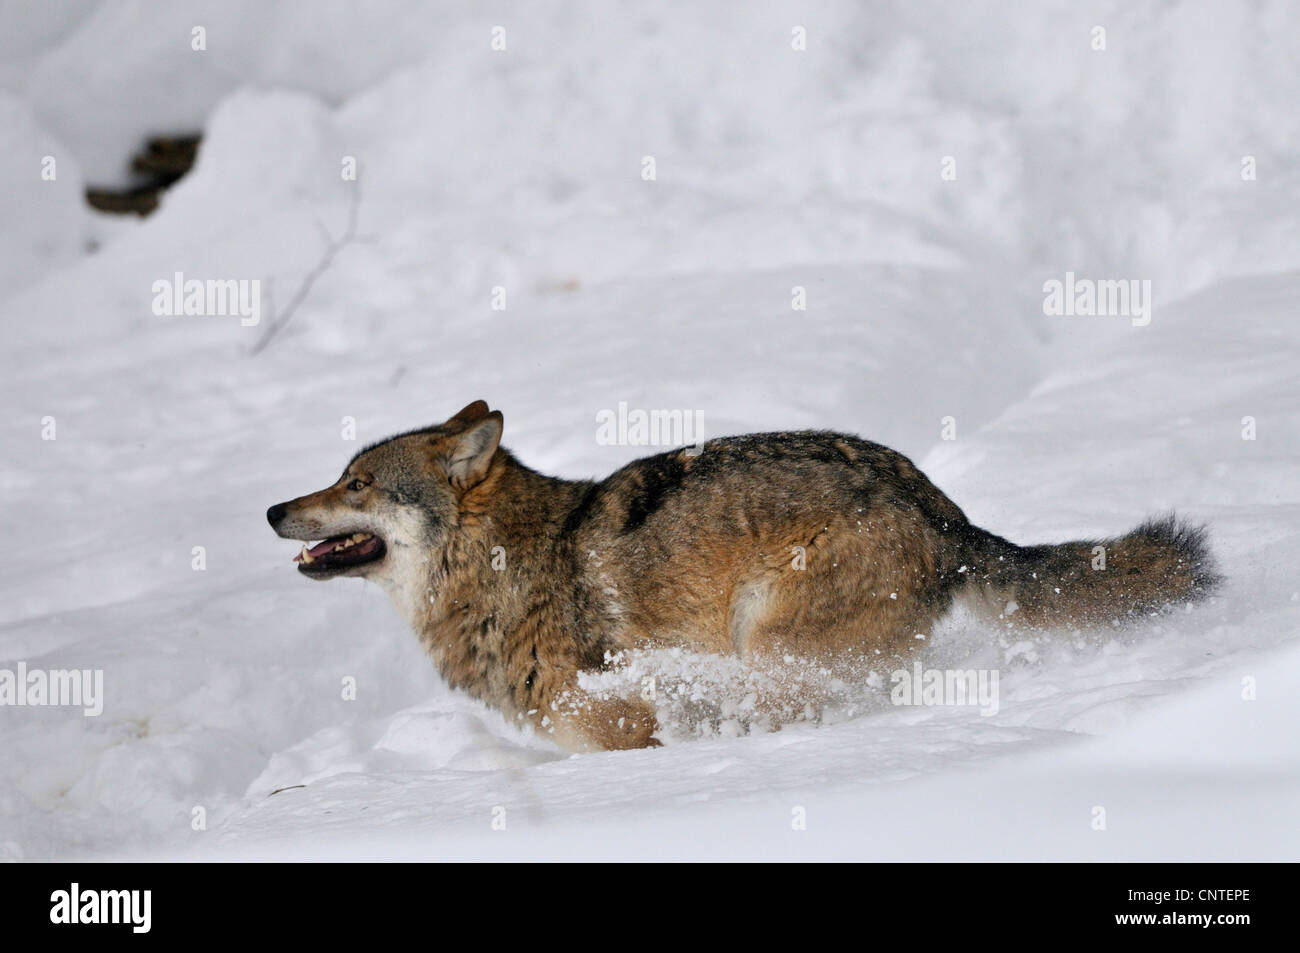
(396, 505)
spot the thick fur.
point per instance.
(814, 544)
(1163, 560)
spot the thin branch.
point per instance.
(333, 246)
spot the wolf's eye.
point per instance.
(356, 485)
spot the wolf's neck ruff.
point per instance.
(766, 546)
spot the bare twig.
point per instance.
(333, 246)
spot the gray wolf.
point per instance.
(812, 544)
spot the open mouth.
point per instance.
(340, 552)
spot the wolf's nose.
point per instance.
(276, 513)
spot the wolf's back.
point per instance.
(1092, 582)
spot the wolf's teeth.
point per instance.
(306, 556)
(358, 537)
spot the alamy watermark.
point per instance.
(80, 688)
(213, 297)
(650, 428)
(75, 905)
(1127, 297)
(946, 687)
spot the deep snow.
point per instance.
(522, 169)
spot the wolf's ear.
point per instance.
(472, 412)
(470, 452)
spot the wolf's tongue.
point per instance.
(358, 544)
(321, 548)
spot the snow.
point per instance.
(522, 169)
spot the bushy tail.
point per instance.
(1092, 582)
